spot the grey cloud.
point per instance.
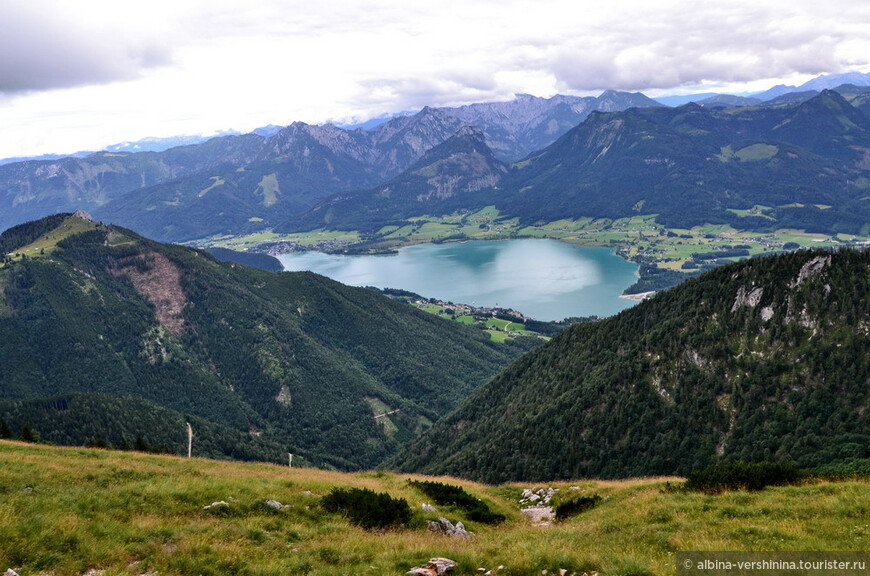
(41, 50)
(720, 46)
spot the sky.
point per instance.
(84, 74)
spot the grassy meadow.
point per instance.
(67, 511)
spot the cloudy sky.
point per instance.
(83, 74)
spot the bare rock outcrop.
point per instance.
(811, 268)
(446, 527)
(748, 298)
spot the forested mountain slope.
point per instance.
(765, 359)
(806, 162)
(272, 362)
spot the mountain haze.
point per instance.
(527, 123)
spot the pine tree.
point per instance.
(28, 434)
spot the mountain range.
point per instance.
(105, 335)
(801, 154)
(236, 184)
(805, 162)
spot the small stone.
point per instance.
(277, 505)
(11, 572)
(429, 508)
(215, 505)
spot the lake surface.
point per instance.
(544, 279)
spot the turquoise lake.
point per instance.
(543, 279)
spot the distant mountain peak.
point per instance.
(469, 131)
(468, 140)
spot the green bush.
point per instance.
(448, 495)
(368, 509)
(742, 476)
(857, 468)
(576, 506)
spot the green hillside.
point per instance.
(270, 363)
(761, 360)
(72, 511)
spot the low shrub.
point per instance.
(742, 476)
(367, 508)
(447, 495)
(852, 469)
(575, 506)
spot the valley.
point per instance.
(104, 321)
(433, 289)
(143, 334)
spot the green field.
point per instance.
(67, 511)
(307, 240)
(505, 325)
(499, 330)
(47, 243)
